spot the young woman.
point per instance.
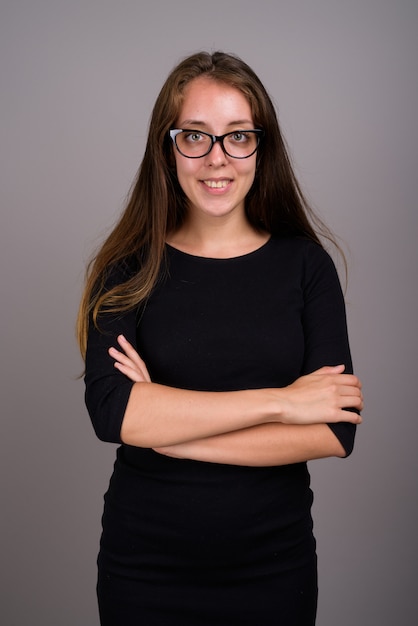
(213, 327)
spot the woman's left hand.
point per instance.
(129, 362)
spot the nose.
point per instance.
(217, 155)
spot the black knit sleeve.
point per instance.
(325, 326)
(106, 389)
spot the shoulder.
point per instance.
(300, 249)
(306, 259)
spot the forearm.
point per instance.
(157, 415)
(264, 445)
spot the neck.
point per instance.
(217, 238)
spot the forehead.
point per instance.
(208, 100)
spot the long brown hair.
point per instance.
(157, 204)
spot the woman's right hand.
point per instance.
(321, 397)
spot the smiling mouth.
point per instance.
(216, 184)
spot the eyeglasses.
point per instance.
(194, 144)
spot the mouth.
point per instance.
(217, 184)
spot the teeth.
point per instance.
(220, 184)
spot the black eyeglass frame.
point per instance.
(214, 138)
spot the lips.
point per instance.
(217, 184)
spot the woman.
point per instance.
(214, 332)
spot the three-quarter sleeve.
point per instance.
(325, 326)
(106, 389)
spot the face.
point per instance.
(216, 185)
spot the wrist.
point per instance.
(277, 406)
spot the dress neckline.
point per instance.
(210, 258)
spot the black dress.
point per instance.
(188, 543)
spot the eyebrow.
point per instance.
(201, 123)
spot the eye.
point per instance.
(193, 136)
(239, 136)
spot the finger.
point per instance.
(350, 379)
(133, 374)
(348, 389)
(354, 401)
(130, 351)
(125, 344)
(349, 416)
(122, 358)
(131, 364)
(128, 348)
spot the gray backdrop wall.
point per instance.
(78, 80)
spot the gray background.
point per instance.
(78, 80)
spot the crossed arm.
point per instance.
(256, 427)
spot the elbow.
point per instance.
(338, 449)
(341, 452)
(106, 423)
(346, 448)
(105, 431)
(106, 408)
(345, 433)
(138, 426)
(347, 451)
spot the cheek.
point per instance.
(248, 171)
(186, 170)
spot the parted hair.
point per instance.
(157, 205)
